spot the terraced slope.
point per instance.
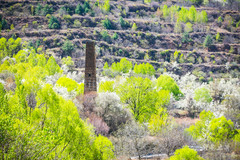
(155, 40)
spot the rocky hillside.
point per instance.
(178, 36)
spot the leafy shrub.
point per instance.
(210, 129)
(106, 6)
(208, 41)
(144, 69)
(123, 66)
(107, 86)
(123, 23)
(53, 23)
(107, 24)
(166, 82)
(134, 27)
(105, 36)
(158, 121)
(185, 153)
(188, 27)
(115, 36)
(68, 48)
(202, 95)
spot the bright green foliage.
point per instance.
(186, 153)
(107, 86)
(176, 55)
(182, 14)
(211, 129)
(68, 48)
(221, 130)
(106, 6)
(218, 37)
(68, 83)
(208, 41)
(107, 24)
(166, 82)
(52, 66)
(144, 69)
(123, 66)
(192, 14)
(202, 17)
(105, 66)
(134, 27)
(37, 123)
(202, 95)
(238, 24)
(188, 27)
(115, 36)
(139, 96)
(104, 148)
(53, 23)
(219, 19)
(67, 61)
(9, 47)
(165, 11)
(158, 121)
(178, 27)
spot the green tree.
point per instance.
(79, 10)
(106, 6)
(208, 41)
(178, 27)
(68, 83)
(158, 121)
(123, 23)
(123, 66)
(186, 153)
(188, 27)
(144, 69)
(134, 27)
(202, 95)
(107, 24)
(53, 23)
(192, 14)
(211, 129)
(166, 82)
(107, 86)
(67, 48)
(52, 67)
(218, 37)
(138, 94)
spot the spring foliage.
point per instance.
(186, 153)
(38, 123)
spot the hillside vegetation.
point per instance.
(167, 75)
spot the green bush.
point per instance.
(208, 41)
(115, 36)
(166, 82)
(144, 69)
(53, 23)
(67, 48)
(203, 95)
(105, 36)
(185, 153)
(107, 24)
(123, 23)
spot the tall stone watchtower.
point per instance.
(90, 84)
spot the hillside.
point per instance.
(167, 81)
(155, 39)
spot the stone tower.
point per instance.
(90, 84)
